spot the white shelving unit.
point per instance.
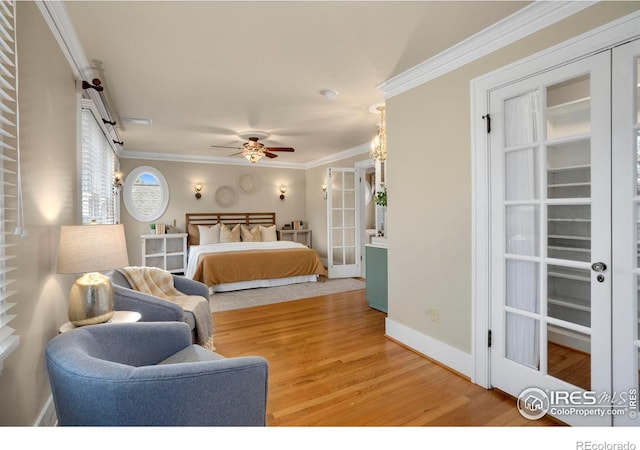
(166, 251)
(302, 236)
(568, 190)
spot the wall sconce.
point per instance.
(283, 190)
(324, 191)
(118, 179)
(197, 188)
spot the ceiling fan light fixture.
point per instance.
(253, 156)
(252, 150)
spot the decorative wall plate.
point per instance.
(248, 183)
(226, 196)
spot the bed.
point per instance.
(258, 260)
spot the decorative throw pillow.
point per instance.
(209, 234)
(194, 235)
(250, 234)
(229, 234)
(268, 234)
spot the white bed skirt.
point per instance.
(228, 287)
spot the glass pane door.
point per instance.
(343, 246)
(550, 221)
(568, 206)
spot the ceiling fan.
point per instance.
(252, 150)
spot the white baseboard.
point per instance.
(443, 353)
(47, 417)
(569, 339)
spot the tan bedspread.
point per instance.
(218, 268)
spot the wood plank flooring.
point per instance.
(331, 365)
(570, 365)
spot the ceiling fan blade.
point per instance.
(270, 155)
(235, 154)
(280, 149)
(222, 146)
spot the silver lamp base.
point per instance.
(91, 300)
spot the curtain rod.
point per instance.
(99, 89)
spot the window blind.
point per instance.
(98, 166)
(11, 219)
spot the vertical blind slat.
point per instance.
(98, 166)
(9, 173)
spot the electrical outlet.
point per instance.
(435, 315)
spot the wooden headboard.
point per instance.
(207, 219)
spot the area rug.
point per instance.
(225, 301)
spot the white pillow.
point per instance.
(268, 234)
(209, 235)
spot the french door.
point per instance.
(343, 248)
(551, 257)
(626, 226)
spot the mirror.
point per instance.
(146, 193)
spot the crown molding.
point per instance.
(56, 16)
(528, 20)
(354, 151)
(225, 160)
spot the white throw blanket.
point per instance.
(159, 283)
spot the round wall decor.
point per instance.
(226, 196)
(248, 183)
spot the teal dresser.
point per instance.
(376, 272)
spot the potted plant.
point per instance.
(381, 197)
(381, 200)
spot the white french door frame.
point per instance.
(625, 356)
(361, 171)
(342, 268)
(599, 39)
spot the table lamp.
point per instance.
(88, 250)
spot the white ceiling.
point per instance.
(205, 71)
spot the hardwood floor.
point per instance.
(570, 365)
(331, 365)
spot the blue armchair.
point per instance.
(155, 309)
(141, 374)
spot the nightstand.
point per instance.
(301, 236)
(118, 317)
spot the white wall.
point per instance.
(181, 176)
(430, 194)
(48, 142)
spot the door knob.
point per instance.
(599, 266)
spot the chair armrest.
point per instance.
(190, 287)
(152, 309)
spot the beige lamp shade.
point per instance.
(90, 249)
